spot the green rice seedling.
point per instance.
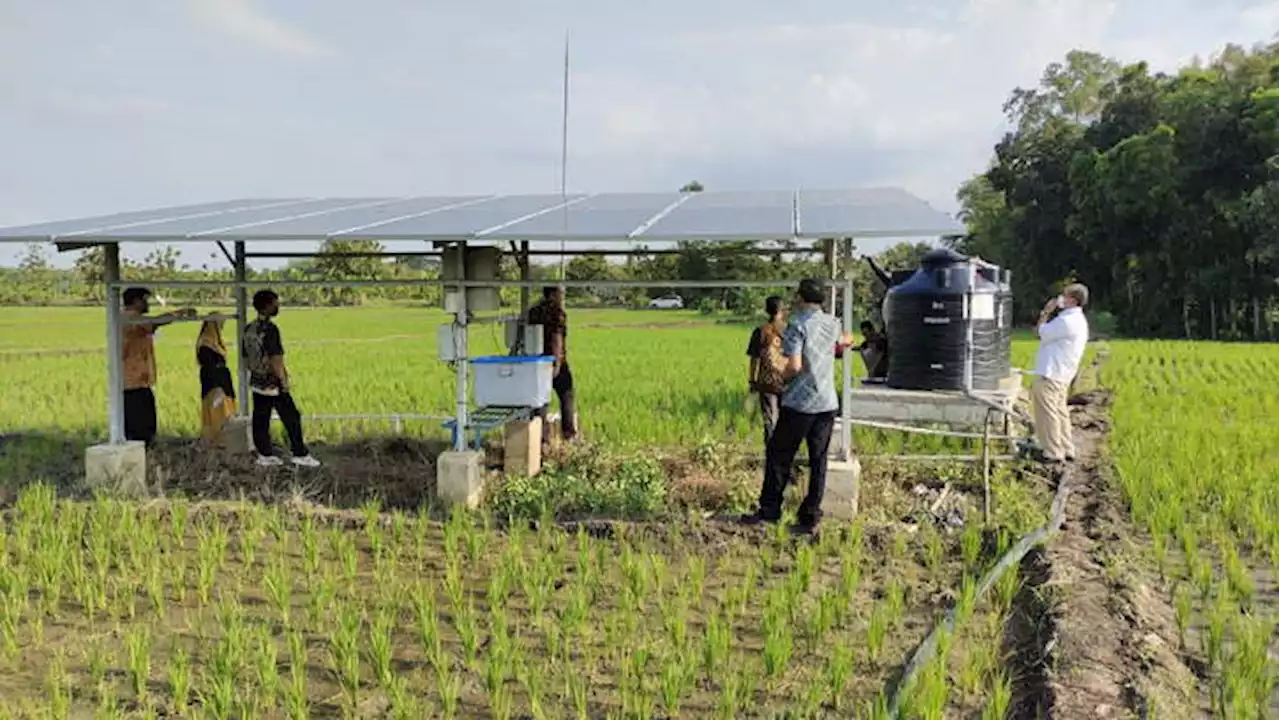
(295, 693)
(138, 646)
(634, 693)
(251, 533)
(344, 651)
(999, 697)
(322, 598)
(179, 676)
(453, 586)
(179, 513)
(660, 572)
(837, 671)
(266, 669)
(1216, 627)
(350, 558)
(477, 540)
(731, 698)
(530, 676)
(877, 628)
(1238, 578)
(57, 690)
(155, 589)
(448, 686)
(894, 599)
(380, 646)
(97, 659)
(578, 690)
(1006, 589)
(777, 646)
(467, 627)
(967, 600)
(933, 551)
(806, 563)
(697, 576)
(496, 670)
(1182, 609)
(971, 546)
(219, 697)
(674, 683)
(310, 546)
(279, 587)
(427, 620)
(717, 642)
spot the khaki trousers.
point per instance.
(1053, 423)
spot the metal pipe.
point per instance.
(846, 386)
(240, 269)
(548, 253)
(671, 284)
(115, 355)
(460, 352)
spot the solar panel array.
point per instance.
(713, 215)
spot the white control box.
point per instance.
(513, 380)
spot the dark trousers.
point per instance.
(290, 417)
(814, 430)
(563, 385)
(769, 408)
(140, 415)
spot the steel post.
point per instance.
(240, 271)
(115, 348)
(460, 352)
(846, 394)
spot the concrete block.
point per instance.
(922, 406)
(840, 502)
(522, 447)
(237, 435)
(119, 470)
(460, 478)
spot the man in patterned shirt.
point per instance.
(809, 404)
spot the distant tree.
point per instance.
(34, 260)
(332, 263)
(692, 186)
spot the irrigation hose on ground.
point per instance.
(924, 652)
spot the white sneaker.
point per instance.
(269, 461)
(306, 461)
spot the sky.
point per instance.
(114, 106)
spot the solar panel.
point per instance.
(711, 215)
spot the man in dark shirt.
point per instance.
(269, 381)
(874, 350)
(551, 316)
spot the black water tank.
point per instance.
(944, 323)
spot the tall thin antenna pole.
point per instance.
(564, 157)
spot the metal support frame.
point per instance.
(668, 284)
(846, 385)
(523, 259)
(240, 270)
(714, 252)
(460, 351)
(115, 354)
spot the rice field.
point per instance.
(181, 607)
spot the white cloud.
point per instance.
(244, 20)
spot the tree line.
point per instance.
(1157, 190)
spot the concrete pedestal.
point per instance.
(460, 478)
(841, 499)
(237, 436)
(522, 447)
(119, 470)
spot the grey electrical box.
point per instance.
(481, 264)
(532, 337)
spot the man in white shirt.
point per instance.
(1062, 342)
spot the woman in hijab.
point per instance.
(218, 395)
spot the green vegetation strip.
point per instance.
(964, 605)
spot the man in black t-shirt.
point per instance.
(269, 381)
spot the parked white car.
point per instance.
(667, 302)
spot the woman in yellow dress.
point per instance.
(217, 393)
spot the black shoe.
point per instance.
(803, 528)
(756, 518)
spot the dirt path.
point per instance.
(1110, 639)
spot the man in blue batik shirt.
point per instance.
(808, 408)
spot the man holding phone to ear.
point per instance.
(1062, 342)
